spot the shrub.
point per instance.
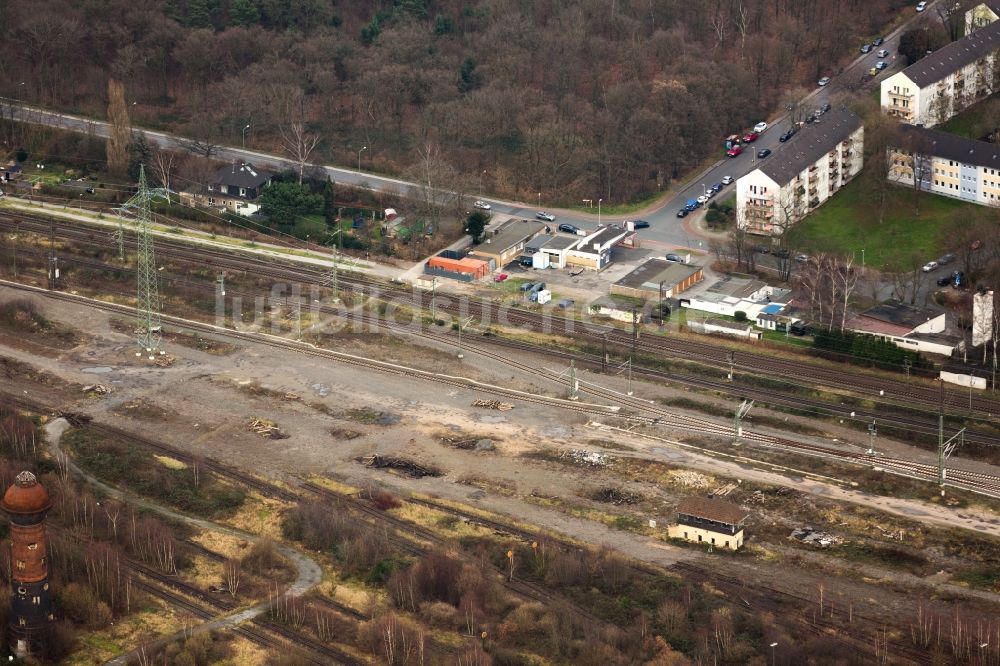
(740, 315)
(81, 605)
(384, 501)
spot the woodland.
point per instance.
(559, 100)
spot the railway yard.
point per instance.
(535, 459)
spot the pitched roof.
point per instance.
(242, 174)
(718, 510)
(936, 143)
(954, 56)
(811, 143)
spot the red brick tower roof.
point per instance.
(25, 496)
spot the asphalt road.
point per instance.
(666, 228)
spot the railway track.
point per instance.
(855, 381)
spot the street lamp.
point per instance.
(359, 156)
(773, 645)
(539, 198)
(599, 212)
(245, 134)
(481, 181)
(461, 325)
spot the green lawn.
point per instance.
(976, 121)
(848, 223)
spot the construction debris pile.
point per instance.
(470, 444)
(164, 361)
(815, 537)
(690, 479)
(266, 428)
(617, 496)
(493, 404)
(97, 389)
(587, 458)
(407, 467)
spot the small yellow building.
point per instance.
(714, 521)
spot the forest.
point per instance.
(559, 100)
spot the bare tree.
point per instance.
(846, 277)
(163, 166)
(121, 132)
(232, 571)
(299, 143)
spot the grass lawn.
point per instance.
(848, 223)
(976, 121)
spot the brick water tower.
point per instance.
(26, 502)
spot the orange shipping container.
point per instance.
(468, 266)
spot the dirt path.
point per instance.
(309, 574)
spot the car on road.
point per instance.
(702, 199)
(692, 204)
(823, 81)
(802, 258)
(945, 259)
(735, 151)
(781, 253)
(818, 112)
(810, 119)
(786, 136)
(929, 266)
(921, 6)
(500, 277)
(866, 48)
(825, 107)
(883, 53)
(944, 280)
(872, 71)
(640, 224)
(548, 217)
(482, 205)
(761, 154)
(881, 64)
(716, 188)
(761, 249)
(726, 180)
(674, 257)
(568, 228)
(682, 212)
(760, 127)
(750, 137)
(878, 41)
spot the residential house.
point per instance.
(943, 83)
(234, 187)
(507, 243)
(813, 165)
(946, 164)
(906, 326)
(658, 279)
(714, 521)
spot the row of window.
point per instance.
(713, 540)
(20, 564)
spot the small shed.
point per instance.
(710, 520)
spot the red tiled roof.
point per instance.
(875, 326)
(718, 510)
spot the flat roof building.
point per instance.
(508, 242)
(658, 278)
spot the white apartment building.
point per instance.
(946, 164)
(936, 87)
(815, 163)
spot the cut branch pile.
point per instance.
(266, 428)
(97, 389)
(407, 467)
(493, 404)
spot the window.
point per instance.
(727, 543)
(211, 201)
(21, 621)
(685, 535)
(699, 538)
(36, 600)
(20, 565)
(713, 541)
(243, 191)
(21, 591)
(211, 188)
(32, 546)
(45, 586)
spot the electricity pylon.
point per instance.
(148, 331)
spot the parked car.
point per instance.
(726, 180)
(810, 119)
(750, 137)
(682, 212)
(944, 280)
(735, 151)
(878, 41)
(823, 81)
(526, 261)
(717, 187)
(568, 228)
(881, 64)
(761, 154)
(825, 107)
(945, 259)
(760, 127)
(872, 72)
(500, 277)
(929, 266)
(781, 253)
(818, 112)
(957, 279)
(692, 204)
(703, 199)
(866, 48)
(883, 53)
(786, 136)
(921, 6)
(761, 249)
(482, 205)
(640, 224)
(527, 286)
(548, 217)
(799, 328)
(674, 257)
(565, 303)
(802, 258)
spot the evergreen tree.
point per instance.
(244, 13)
(199, 14)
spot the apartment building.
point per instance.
(935, 161)
(939, 85)
(812, 166)
(981, 15)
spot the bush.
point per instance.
(740, 315)
(80, 604)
